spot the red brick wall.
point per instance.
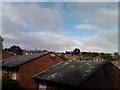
(10, 74)
(106, 77)
(28, 70)
(6, 55)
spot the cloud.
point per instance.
(10, 27)
(60, 0)
(112, 12)
(41, 40)
(24, 22)
(108, 17)
(33, 26)
(31, 15)
(101, 14)
(85, 27)
(103, 41)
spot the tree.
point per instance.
(76, 51)
(9, 84)
(116, 53)
(95, 54)
(106, 56)
(1, 43)
(16, 49)
(67, 52)
(63, 57)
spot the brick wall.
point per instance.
(6, 55)
(107, 77)
(28, 70)
(116, 63)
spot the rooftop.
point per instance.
(70, 72)
(21, 59)
(5, 55)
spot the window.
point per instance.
(14, 76)
(52, 55)
(42, 86)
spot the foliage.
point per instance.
(9, 84)
(116, 58)
(116, 53)
(95, 54)
(1, 43)
(76, 51)
(67, 52)
(5, 77)
(16, 49)
(106, 56)
(63, 57)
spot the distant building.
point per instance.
(69, 56)
(6, 54)
(74, 75)
(3, 57)
(116, 63)
(23, 68)
(26, 52)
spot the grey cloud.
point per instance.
(42, 40)
(61, 1)
(101, 13)
(19, 17)
(10, 27)
(103, 41)
(33, 16)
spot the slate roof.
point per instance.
(17, 60)
(70, 72)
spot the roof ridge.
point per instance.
(26, 57)
(83, 76)
(48, 69)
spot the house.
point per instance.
(3, 56)
(78, 75)
(116, 63)
(26, 52)
(6, 54)
(69, 56)
(23, 67)
(72, 56)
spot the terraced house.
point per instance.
(23, 67)
(78, 75)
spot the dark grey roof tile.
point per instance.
(21, 59)
(70, 72)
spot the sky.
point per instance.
(61, 26)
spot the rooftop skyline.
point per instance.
(61, 26)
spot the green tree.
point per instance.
(106, 56)
(5, 77)
(67, 52)
(76, 51)
(95, 54)
(1, 43)
(63, 57)
(116, 53)
(9, 84)
(16, 49)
